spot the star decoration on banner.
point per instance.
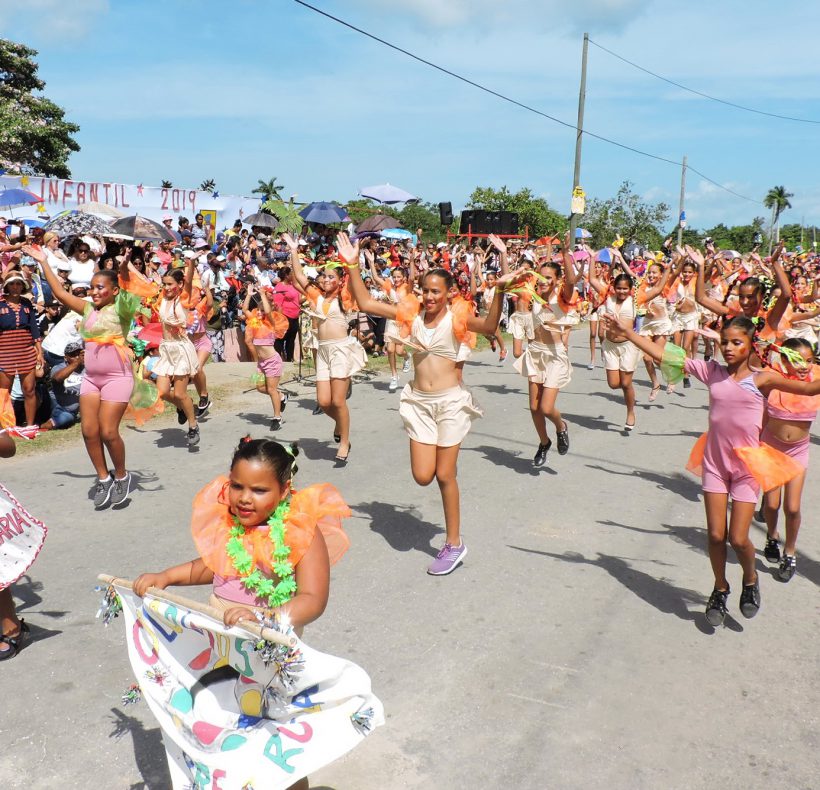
(24, 181)
(215, 194)
(41, 209)
(139, 189)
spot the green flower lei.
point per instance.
(250, 576)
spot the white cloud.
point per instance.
(34, 20)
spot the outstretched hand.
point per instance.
(617, 327)
(348, 252)
(292, 243)
(38, 255)
(497, 243)
(695, 255)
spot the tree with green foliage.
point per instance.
(777, 199)
(533, 212)
(166, 184)
(628, 216)
(286, 213)
(35, 138)
(269, 190)
(208, 185)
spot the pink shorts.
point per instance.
(203, 343)
(114, 387)
(270, 368)
(741, 488)
(798, 450)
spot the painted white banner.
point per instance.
(153, 202)
(233, 717)
(21, 538)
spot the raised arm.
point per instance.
(188, 281)
(246, 304)
(60, 294)
(295, 263)
(503, 255)
(718, 308)
(349, 253)
(488, 324)
(782, 301)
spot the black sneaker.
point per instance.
(193, 436)
(750, 599)
(276, 423)
(120, 490)
(563, 440)
(772, 550)
(787, 569)
(283, 401)
(317, 409)
(686, 384)
(102, 493)
(203, 406)
(181, 418)
(716, 608)
(541, 456)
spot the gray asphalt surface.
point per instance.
(570, 650)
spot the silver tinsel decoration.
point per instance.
(362, 720)
(288, 662)
(110, 606)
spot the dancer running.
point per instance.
(108, 383)
(545, 363)
(435, 408)
(203, 302)
(397, 288)
(178, 361)
(788, 425)
(340, 356)
(685, 316)
(620, 356)
(657, 325)
(732, 454)
(265, 326)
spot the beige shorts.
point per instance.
(621, 356)
(661, 328)
(521, 326)
(686, 322)
(339, 359)
(441, 418)
(545, 364)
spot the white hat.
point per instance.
(440, 245)
(301, 243)
(189, 254)
(220, 257)
(528, 255)
(166, 217)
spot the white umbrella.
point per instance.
(387, 193)
(101, 210)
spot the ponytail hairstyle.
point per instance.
(448, 278)
(176, 274)
(555, 266)
(623, 278)
(742, 324)
(280, 458)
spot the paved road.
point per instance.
(569, 651)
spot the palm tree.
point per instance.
(167, 184)
(777, 199)
(208, 185)
(269, 190)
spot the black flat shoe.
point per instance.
(317, 409)
(337, 437)
(563, 440)
(15, 643)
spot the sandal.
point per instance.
(341, 460)
(654, 394)
(15, 643)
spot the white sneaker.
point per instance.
(405, 368)
(394, 384)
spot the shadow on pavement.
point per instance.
(515, 461)
(149, 752)
(594, 423)
(677, 483)
(317, 450)
(172, 437)
(27, 592)
(256, 419)
(658, 593)
(400, 526)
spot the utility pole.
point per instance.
(681, 215)
(576, 177)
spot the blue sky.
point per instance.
(250, 89)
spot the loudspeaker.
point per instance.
(474, 220)
(445, 213)
(509, 223)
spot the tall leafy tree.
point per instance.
(208, 185)
(35, 138)
(166, 184)
(628, 216)
(777, 199)
(269, 190)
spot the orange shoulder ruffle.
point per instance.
(462, 310)
(406, 311)
(139, 286)
(318, 505)
(259, 326)
(799, 404)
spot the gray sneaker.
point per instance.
(120, 490)
(102, 493)
(193, 436)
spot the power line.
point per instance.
(700, 93)
(510, 100)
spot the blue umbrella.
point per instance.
(580, 233)
(386, 193)
(323, 213)
(398, 233)
(12, 198)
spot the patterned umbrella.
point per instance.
(142, 229)
(76, 223)
(101, 210)
(377, 223)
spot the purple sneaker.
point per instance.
(447, 559)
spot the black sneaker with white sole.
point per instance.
(102, 493)
(283, 401)
(563, 441)
(772, 550)
(540, 458)
(750, 599)
(276, 423)
(788, 567)
(193, 436)
(716, 608)
(203, 406)
(120, 490)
